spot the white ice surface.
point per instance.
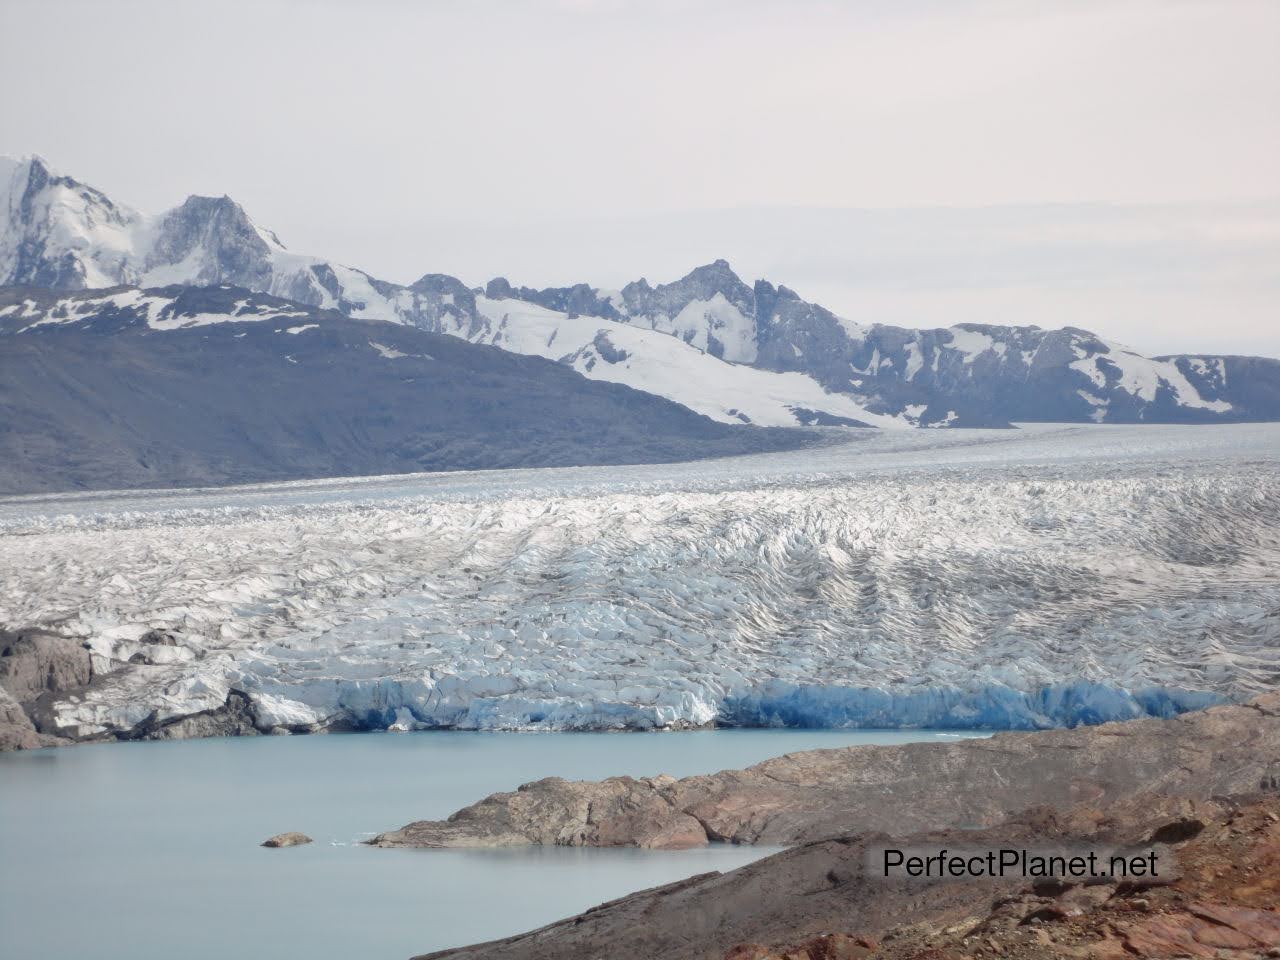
(1052, 574)
(660, 363)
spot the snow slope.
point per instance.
(1024, 578)
(656, 362)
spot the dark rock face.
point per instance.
(804, 796)
(444, 304)
(969, 375)
(218, 230)
(233, 719)
(1178, 831)
(34, 663)
(701, 283)
(34, 667)
(247, 401)
(17, 732)
(578, 300)
(436, 302)
(606, 350)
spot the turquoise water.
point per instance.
(150, 850)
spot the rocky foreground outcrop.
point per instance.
(807, 796)
(1221, 903)
(826, 901)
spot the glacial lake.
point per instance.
(150, 851)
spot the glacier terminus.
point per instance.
(1044, 576)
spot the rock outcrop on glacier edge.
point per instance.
(802, 797)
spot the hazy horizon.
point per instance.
(1101, 165)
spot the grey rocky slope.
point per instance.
(187, 385)
(804, 797)
(708, 327)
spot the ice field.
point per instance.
(1047, 575)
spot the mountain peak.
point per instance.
(215, 236)
(9, 165)
(718, 270)
(199, 203)
(25, 174)
(227, 214)
(499, 288)
(703, 283)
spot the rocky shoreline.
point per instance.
(806, 796)
(1204, 785)
(823, 901)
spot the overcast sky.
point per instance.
(1111, 165)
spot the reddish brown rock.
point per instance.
(820, 793)
(1178, 935)
(1262, 926)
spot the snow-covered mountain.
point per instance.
(735, 352)
(966, 375)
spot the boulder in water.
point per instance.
(287, 840)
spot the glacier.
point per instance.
(1044, 576)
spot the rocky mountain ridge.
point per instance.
(184, 385)
(966, 375)
(753, 353)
